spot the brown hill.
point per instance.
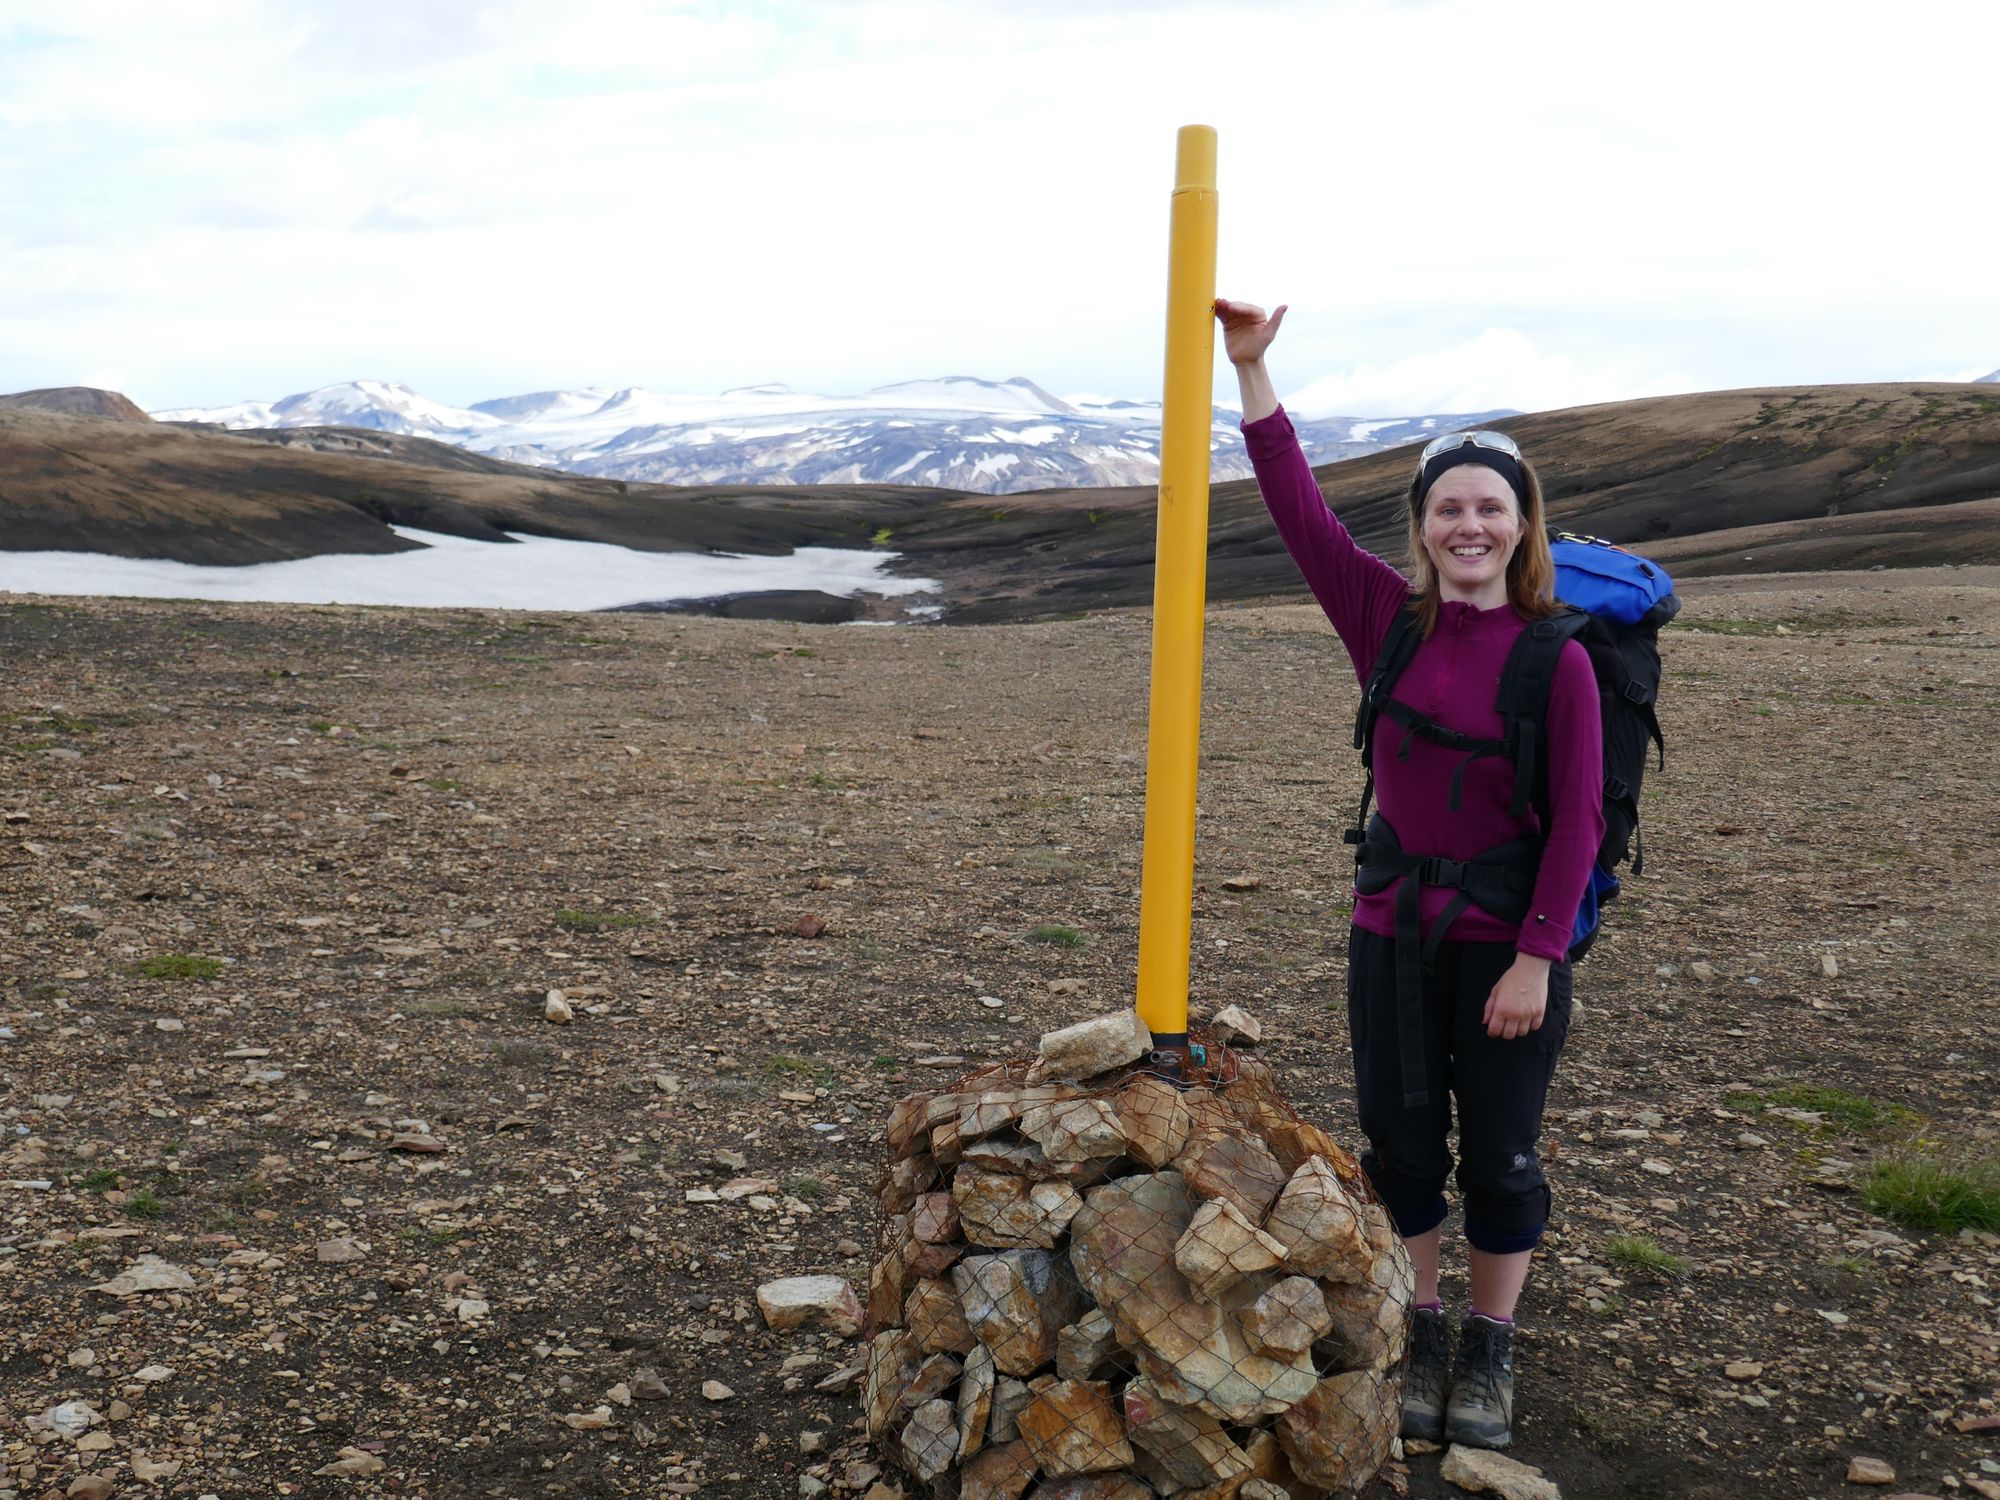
(204, 495)
(78, 401)
(1795, 478)
(1831, 477)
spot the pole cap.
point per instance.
(1194, 160)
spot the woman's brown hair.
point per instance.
(1531, 571)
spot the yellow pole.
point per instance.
(1180, 577)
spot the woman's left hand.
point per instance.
(1515, 1007)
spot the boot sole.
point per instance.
(1470, 1438)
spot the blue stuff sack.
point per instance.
(1602, 579)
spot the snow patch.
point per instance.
(458, 573)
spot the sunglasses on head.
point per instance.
(1499, 442)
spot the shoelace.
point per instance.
(1481, 1361)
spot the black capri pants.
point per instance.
(1499, 1085)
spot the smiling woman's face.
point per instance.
(1472, 525)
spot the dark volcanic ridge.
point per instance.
(1778, 480)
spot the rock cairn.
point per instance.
(1099, 1284)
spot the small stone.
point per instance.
(1236, 1168)
(715, 1390)
(930, 1440)
(1319, 1223)
(1742, 1369)
(1155, 1121)
(975, 1400)
(1082, 1348)
(843, 1379)
(336, 1252)
(90, 1487)
(1242, 883)
(1010, 1399)
(154, 1374)
(556, 1008)
(1190, 1447)
(1016, 1303)
(1289, 1317)
(934, 1220)
(1702, 970)
(148, 1471)
(1233, 1025)
(931, 1313)
(82, 1359)
(351, 1463)
(647, 1385)
(811, 1442)
(472, 1309)
(999, 1473)
(1483, 1471)
(1340, 1434)
(1829, 966)
(168, 1023)
(1869, 1471)
(823, 1301)
(810, 925)
(594, 1420)
(1095, 1046)
(1072, 1428)
(1220, 1247)
(147, 1274)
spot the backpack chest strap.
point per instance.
(1414, 724)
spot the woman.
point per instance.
(1485, 1018)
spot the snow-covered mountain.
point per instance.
(993, 437)
(1993, 379)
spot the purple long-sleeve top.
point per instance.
(1454, 678)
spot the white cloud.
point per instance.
(1499, 368)
(232, 198)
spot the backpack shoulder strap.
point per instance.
(1523, 701)
(1399, 644)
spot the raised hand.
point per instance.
(1247, 330)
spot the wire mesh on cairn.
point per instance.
(1122, 1287)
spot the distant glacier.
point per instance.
(991, 437)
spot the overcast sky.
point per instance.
(1467, 205)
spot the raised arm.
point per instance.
(1359, 592)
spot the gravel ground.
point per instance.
(285, 891)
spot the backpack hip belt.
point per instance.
(1500, 880)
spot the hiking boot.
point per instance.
(1427, 1376)
(1480, 1413)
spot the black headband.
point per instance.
(1471, 453)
